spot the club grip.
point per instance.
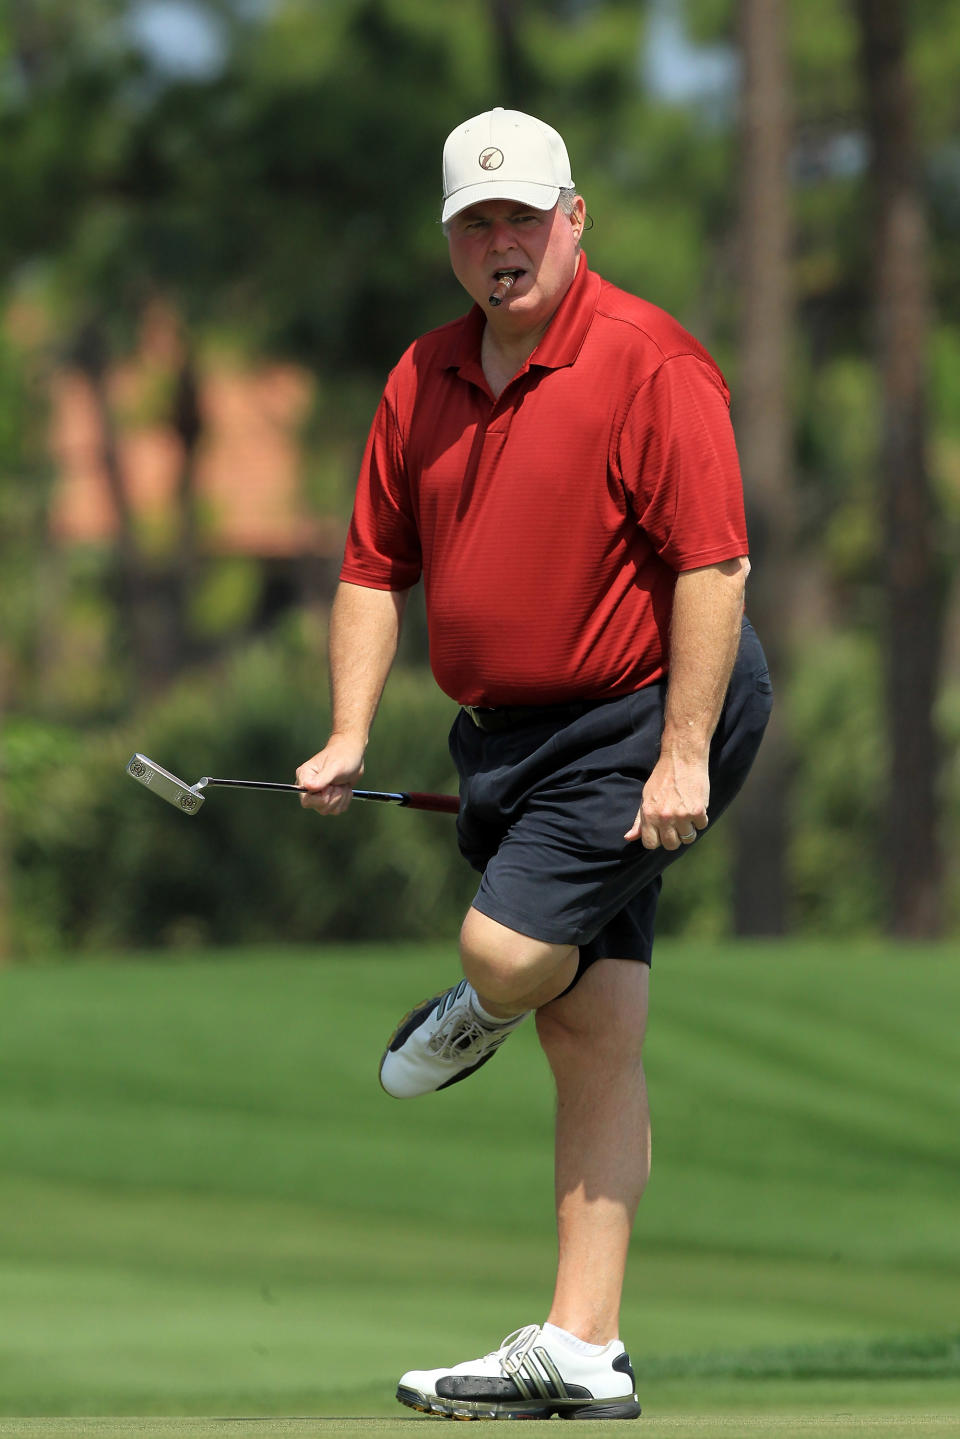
(441, 803)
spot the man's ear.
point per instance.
(578, 216)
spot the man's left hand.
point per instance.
(673, 808)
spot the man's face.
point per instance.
(539, 247)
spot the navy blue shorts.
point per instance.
(545, 804)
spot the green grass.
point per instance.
(208, 1207)
(849, 1426)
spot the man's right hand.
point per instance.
(329, 777)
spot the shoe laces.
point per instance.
(463, 1036)
(515, 1348)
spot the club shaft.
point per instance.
(440, 803)
(209, 783)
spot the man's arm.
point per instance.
(704, 636)
(364, 631)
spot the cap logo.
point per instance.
(491, 159)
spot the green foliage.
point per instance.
(948, 725)
(24, 489)
(835, 711)
(97, 862)
(695, 898)
(307, 198)
(286, 203)
(226, 596)
(823, 50)
(838, 473)
(333, 439)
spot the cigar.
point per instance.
(502, 290)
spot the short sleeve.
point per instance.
(679, 466)
(383, 543)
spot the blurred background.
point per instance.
(219, 231)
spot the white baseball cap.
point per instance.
(503, 155)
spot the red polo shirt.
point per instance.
(549, 524)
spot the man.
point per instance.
(559, 466)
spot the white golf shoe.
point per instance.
(533, 1375)
(440, 1042)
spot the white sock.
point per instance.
(493, 1020)
(563, 1336)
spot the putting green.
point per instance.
(209, 1207)
(826, 1426)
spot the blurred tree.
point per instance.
(518, 80)
(152, 595)
(24, 486)
(280, 192)
(913, 587)
(282, 200)
(76, 95)
(764, 426)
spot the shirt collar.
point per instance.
(560, 345)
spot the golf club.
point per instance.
(190, 797)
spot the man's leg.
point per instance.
(593, 1038)
(575, 1364)
(448, 1037)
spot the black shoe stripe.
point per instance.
(450, 998)
(421, 1012)
(413, 1019)
(623, 1366)
(558, 1388)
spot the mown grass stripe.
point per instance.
(932, 1357)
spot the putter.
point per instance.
(190, 797)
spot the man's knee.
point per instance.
(503, 965)
(601, 1021)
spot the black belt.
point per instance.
(508, 716)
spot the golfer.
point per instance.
(558, 466)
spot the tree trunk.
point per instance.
(514, 75)
(913, 588)
(146, 603)
(762, 418)
(6, 923)
(188, 424)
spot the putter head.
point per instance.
(165, 784)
